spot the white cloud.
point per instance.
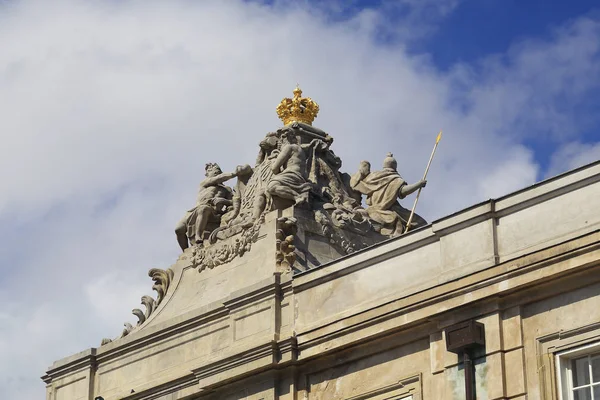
(111, 109)
(534, 90)
(517, 170)
(112, 292)
(573, 155)
(404, 21)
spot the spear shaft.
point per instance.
(412, 212)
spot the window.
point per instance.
(405, 389)
(579, 373)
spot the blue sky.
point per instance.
(111, 109)
(470, 31)
(477, 28)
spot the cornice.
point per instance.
(81, 361)
(250, 361)
(377, 318)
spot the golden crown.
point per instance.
(297, 109)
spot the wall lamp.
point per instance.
(464, 338)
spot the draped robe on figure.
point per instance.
(383, 188)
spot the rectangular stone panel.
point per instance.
(395, 276)
(155, 362)
(467, 250)
(77, 389)
(548, 222)
(511, 328)
(252, 322)
(515, 378)
(372, 376)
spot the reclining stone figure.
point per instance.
(290, 180)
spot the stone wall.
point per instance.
(371, 325)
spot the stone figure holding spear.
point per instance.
(383, 189)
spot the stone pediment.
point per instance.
(292, 211)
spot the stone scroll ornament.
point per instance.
(162, 280)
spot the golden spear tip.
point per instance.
(439, 137)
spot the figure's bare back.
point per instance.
(297, 158)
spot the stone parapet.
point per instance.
(370, 323)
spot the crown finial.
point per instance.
(297, 109)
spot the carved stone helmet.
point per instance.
(390, 162)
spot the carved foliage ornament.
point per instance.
(335, 236)
(286, 230)
(162, 280)
(224, 252)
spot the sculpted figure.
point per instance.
(212, 202)
(243, 173)
(383, 188)
(289, 180)
(266, 147)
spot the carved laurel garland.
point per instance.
(162, 280)
(284, 235)
(215, 255)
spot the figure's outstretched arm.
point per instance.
(313, 143)
(224, 177)
(408, 189)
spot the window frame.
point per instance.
(408, 388)
(563, 362)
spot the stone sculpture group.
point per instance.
(295, 167)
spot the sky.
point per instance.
(110, 109)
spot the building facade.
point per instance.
(320, 298)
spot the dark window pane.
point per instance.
(596, 369)
(582, 394)
(581, 371)
(596, 392)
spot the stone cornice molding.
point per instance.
(81, 361)
(486, 285)
(472, 260)
(248, 362)
(488, 210)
